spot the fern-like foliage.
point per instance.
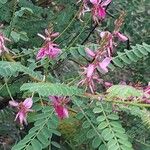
(89, 132)
(8, 69)
(128, 56)
(123, 58)
(103, 128)
(111, 129)
(123, 92)
(39, 137)
(46, 89)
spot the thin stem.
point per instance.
(92, 30)
(98, 96)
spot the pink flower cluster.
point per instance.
(102, 57)
(23, 108)
(90, 72)
(49, 48)
(59, 104)
(97, 8)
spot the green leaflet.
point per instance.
(46, 89)
(8, 69)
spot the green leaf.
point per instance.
(102, 125)
(100, 118)
(42, 139)
(55, 144)
(96, 142)
(125, 142)
(113, 117)
(111, 143)
(107, 134)
(97, 110)
(90, 134)
(15, 36)
(23, 36)
(86, 124)
(36, 145)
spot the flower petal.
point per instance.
(22, 117)
(13, 103)
(89, 52)
(41, 54)
(101, 12)
(55, 34)
(95, 1)
(65, 114)
(121, 37)
(90, 70)
(106, 2)
(28, 103)
(104, 64)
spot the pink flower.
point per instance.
(49, 49)
(59, 104)
(99, 9)
(23, 109)
(104, 64)
(2, 44)
(90, 70)
(89, 77)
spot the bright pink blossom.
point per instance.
(49, 49)
(90, 77)
(99, 9)
(59, 104)
(23, 109)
